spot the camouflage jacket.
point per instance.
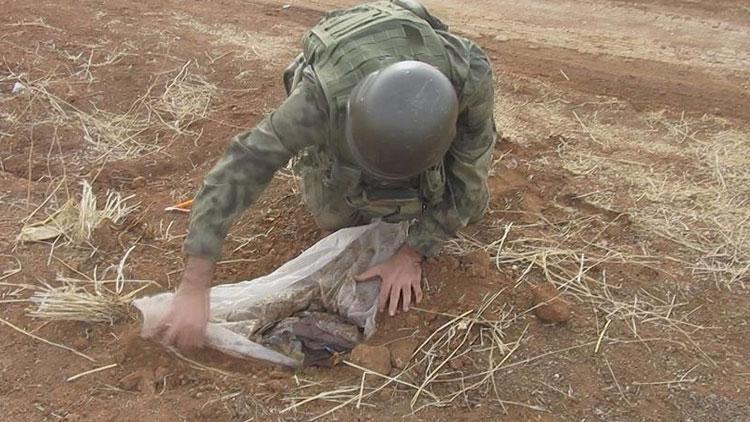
(302, 121)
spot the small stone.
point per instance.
(80, 343)
(548, 305)
(377, 359)
(401, 352)
(17, 87)
(160, 373)
(130, 382)
(141, 380)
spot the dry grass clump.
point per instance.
(696, 193)
(73, 302)
(90, 216)
(681, 179)
(577, 268)
(90, 299)
(185, 100)
(77, 220)
(115, 136)
(432, 376)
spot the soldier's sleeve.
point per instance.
(467, 163)
(249, 163)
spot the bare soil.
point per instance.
(622, 178)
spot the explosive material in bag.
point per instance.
(307, 310)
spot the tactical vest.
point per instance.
(343, 48)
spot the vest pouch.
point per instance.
(332, 173)
(392, 205)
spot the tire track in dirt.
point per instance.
(652, 58)
(666, 35)
(645, 84)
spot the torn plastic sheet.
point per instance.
(323, 275)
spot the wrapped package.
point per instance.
(309, 305)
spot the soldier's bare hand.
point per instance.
(401, 277)
(184, 324)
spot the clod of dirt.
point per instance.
(548, 305)
(377, 359)
(105, 236)
(401, 352)
(80, 343)
(160, 373)
(477, 263)
(142, 380)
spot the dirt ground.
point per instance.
(622, 177)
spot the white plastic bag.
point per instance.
(323, 272)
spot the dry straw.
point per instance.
(109, 135)
(77, 220)
(88, 299)
(458, 364)
(699, 200)
(185, 100)
(431, 377)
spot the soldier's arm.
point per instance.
(467, 163)
(248, 165)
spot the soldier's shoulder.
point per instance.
(461, 46)
(463, 53)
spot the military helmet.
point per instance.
(401, 120)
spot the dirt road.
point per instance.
(622, 178)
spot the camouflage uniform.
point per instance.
(345, 46)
